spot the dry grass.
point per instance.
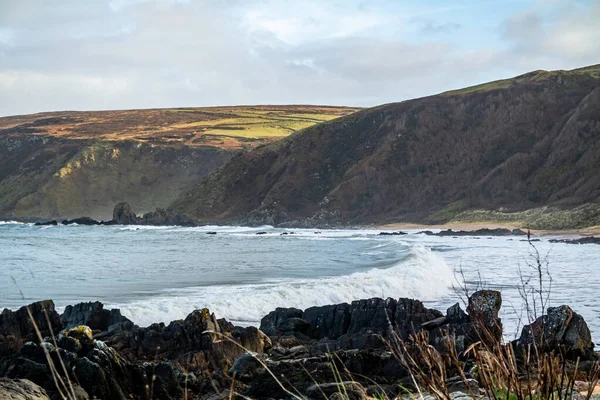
(223, 127)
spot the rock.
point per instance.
(95, 316)
(354, 390)
(270, 323)
(246, 367)
(482, 232)
(123, 214)
(81, 221)
(483, 309)
(562, 330)
(21, 389)
(583, 240)
(455, 315)
(392, 233)
(211, 233)
(261, 233)
(252, 339)
(50, 223)
(17, 327)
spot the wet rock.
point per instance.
(123, 214)
(246, 367)
(392, 233)
(483, 309)
(47, 223)
(583, 240)
(561, 330)
(353, 390)
(81, 221)
(482, 232)
(16, 327)
(95, 316)
(21, 389)
(271, 323)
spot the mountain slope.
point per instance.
(523, 143)
(70, 164)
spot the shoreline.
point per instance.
(471, 226)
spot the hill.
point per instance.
(69, 164)
(526, 148)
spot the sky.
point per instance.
(125, 54)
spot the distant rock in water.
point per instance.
(392, 233)
(124, 215)
(478, 232)
(583, 240)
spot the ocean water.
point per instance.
(156, 274)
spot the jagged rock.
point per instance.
(482, 232)
(47, 223)
(483, 309)
(354, 390)
(17, 327)
(95, 316)
(271, 323)
(123, 214)
(562, 330)
(392, 233)
(246, 367)
(252, 339)
(81, 221)
(21, 389)
(583, 240)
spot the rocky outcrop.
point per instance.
(123, 215)
(478, 232)
(106, 356)
(583, 240)
(19, 327)
(561, 330)
(21, 389)
(95, 316)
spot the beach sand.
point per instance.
(471, 226)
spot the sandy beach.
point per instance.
(471, 226)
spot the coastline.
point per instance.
(470, 226)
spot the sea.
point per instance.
(160, 274)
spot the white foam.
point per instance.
(13, 223)
(424, 275)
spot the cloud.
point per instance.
(165, 53)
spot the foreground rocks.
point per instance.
(106, 356)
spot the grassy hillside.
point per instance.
(69, 164)
(530, 142)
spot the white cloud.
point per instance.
(161, 53)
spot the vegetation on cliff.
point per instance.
(70, 164)
(525, 143)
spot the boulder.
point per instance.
(18, 327)
(95, 316)
(123, 214)
(561, 330)
(21, 389)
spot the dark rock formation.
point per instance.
(52, 223)
(479, 232)
(561, 330)
(583, 240)
(392, 233)
(16, 327)
(81, 221)
(123, 214)
(95, 316)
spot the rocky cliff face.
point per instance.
(54, 178)
(69, 164)
(518, 144)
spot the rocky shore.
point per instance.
(106, 356)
